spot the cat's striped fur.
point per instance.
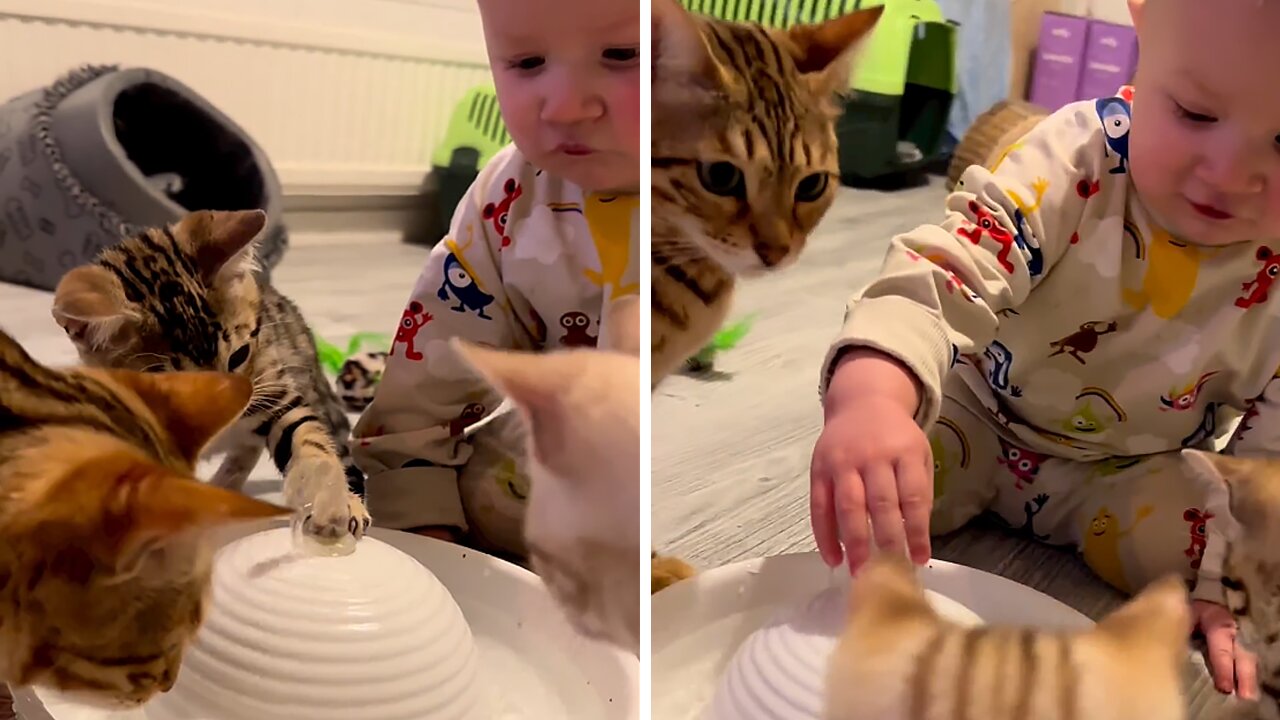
(185, 297)
(1251, 566)
(899, 660)
(104, 565)
(744, 159)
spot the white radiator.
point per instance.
(347, 97)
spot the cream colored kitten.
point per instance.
(899, 660)
(582, 407)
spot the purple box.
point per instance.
(1110, 57)
(1055, 78)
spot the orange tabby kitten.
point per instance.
(582, 408)
(898, 660)
(105, 558)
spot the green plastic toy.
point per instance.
(904, 78)
(727, 339)
(332, 357)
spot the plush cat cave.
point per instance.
(290, 635)
(779, 671)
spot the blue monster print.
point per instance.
(458, 280)
(1208, 427)
(1001, 364)
(1114, 114)
(1035, 258)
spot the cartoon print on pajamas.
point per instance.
(1180, 399)
(411, 321)
(1022, 236)
(984, 223)
(1086, 420)
(1171, 272)
(471, 414)
(1084, 340)
(1115, 117)
(1260, 285)
(1199, 520)
(510, 481)
(576, 330)
(1001, 366)
(1101, 546)
(1031, 508)
(1023, 464)
(609, 218)
(1113, 466)
(942, 460)
(1207, 430)
(498, 212)
(461, 281)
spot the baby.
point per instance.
(1094, 304)
(543, 240)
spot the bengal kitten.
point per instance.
(105, 547)
(1251, 567)
(744, 159)
(185, 297)
(899, 660)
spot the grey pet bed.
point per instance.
(104, 152)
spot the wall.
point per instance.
(348, 97)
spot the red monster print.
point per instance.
(1199, 537)
(986, 225)
(576, 330)
(1261, 283)
(411, 322)
(1024, 464)
(1088, 188)
(1246, 420)
(497, 212)
(470, 415)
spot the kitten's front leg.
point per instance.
(238, 464)
(314, 478)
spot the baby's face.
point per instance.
(567, 74)
(1205, 151)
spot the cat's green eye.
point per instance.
(812, 187)
(238, 358)
(723, 178)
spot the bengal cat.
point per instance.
(105, 554)
(744, 158)
(744, 166)
(1251, 567)
(899, 660)
(185, 297)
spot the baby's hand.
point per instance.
(1233, 668)
(871, 462)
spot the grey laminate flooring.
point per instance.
(731, 453)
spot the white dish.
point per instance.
(530, 664)
(701, 623)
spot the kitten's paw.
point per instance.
(334, 512)
(666, 571)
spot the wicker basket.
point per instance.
(991, 133)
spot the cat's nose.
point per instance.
(771, 254)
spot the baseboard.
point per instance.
(335, 219)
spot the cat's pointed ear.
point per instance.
(150, 506)
(532, 381)
(1158, 618)
(621, 330)
(192, 406)
(681, 58)
(824, 51)
(90, 305)
(221, 238)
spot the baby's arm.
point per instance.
(942, 286)
(409, 441)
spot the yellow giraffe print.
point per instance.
(1101, 545)
(610, 218)
(1172, 268)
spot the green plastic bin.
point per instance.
(905, 78)
(475, 133)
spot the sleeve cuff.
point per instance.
(415, 497)
(1209, 588)
(900, 328)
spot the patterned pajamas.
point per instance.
(1133, 519)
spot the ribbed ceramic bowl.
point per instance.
(293, 635)
(779, 672)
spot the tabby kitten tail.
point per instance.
(899, 659)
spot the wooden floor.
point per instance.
(731, 453)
